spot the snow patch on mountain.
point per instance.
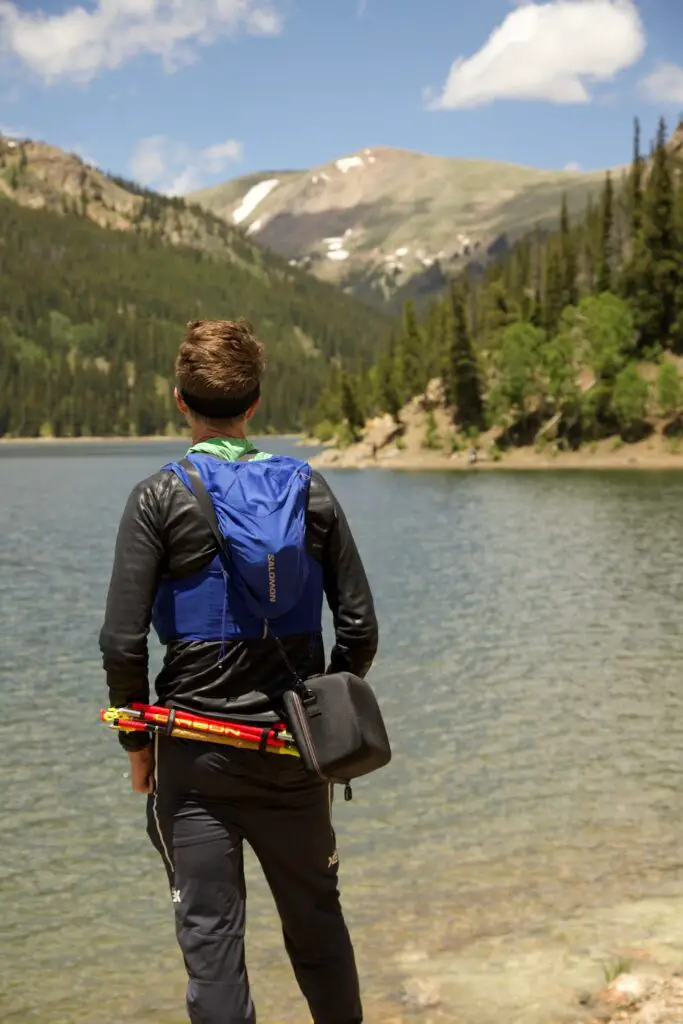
(348, 162)
(335, 246)
(254, 196)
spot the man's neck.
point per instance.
(236, 434)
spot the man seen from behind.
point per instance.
(205, 799)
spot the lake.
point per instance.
(528, 831)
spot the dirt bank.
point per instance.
(654, 454)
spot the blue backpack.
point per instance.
(257, 512)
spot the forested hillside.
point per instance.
(90, 320)
(572, 337)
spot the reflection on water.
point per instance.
(529, 827)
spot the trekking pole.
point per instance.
(185, 725)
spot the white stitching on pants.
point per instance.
(167, 857)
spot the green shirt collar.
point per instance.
(229, 448)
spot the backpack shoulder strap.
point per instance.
(204, 502)
(203, 499)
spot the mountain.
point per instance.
(43, 177)
(99, 279)
(388, 223)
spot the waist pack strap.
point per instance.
(206, 505)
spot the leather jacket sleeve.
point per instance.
(138, 557)
(347, 589)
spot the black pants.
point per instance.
(208, 799)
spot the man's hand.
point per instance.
(142, 769)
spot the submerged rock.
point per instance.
(641, 1000)
(626, 990)
(420, 994)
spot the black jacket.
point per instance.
(163, 533)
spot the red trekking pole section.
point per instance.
(185, 725)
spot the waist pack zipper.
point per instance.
(303, 722)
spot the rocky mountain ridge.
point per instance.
(43, 177)
(383, 223)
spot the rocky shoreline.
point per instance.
(423, 439)
(652, 455)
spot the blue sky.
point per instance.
(183, 93)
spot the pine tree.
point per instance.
(662, 240)
(604, 276)
(388, 391)
(677, 328)
(414, 370)
(536, 311)
(434, 341)
(635, 274)
(351, 410)
(569, 262)
(653, 273)
(554, 291)
(463, 384)
(636, 181)
(498, 310)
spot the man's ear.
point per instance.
(253, 409)
(179, 402)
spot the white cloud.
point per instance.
(572, 166)
(664, 84)
(175, 169)
(548, 51)
(80, 42)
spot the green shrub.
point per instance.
(345, 436)
(431, 439)
(325, 431)
(615, 969)
(669, 389)
(629, 398)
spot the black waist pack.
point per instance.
(335, 719)
(338, 727)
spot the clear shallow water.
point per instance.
(530, 826)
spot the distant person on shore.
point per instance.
(205, 799)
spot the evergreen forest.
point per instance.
(91, 319)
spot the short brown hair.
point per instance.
(219, 359)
